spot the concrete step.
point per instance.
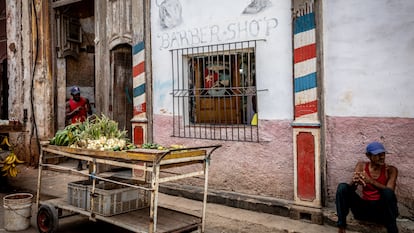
(330, 218)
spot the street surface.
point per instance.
(219, 218)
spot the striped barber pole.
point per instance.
(305, 83)
(306, 127)
(138, 60)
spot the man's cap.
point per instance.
(375, 148)
(74, 90)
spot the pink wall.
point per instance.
(264, 168)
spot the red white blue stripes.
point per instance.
(138, 72)
(304, 56)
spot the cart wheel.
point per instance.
(47, 219)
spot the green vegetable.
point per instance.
(150, 146)
(99, 133)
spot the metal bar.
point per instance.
(209, 60)
(230, 107)
(203, 216)
(205, 194)
(154, 198)
(257, 107)
(178, 85)
(122, 183)
(182, 176)
(182, 160)
(92, 199)
(61, 168)
(39, 178)
(242, 93)
(192, 94)
(182, 98)
(172, 68)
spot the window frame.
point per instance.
(235, 98)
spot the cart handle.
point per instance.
(214, 147)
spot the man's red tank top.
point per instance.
(369, 192)
(82, 114)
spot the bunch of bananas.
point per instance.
(5, 142)
(11, 161)
(10, 165)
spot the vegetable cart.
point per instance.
(145, 215)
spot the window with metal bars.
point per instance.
(214, 92)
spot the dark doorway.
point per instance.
(122, 96)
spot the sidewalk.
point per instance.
(219, 218)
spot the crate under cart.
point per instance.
(130, 202)
(108, 198)
(78, 192)
(111, 199)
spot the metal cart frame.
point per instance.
(147, 160)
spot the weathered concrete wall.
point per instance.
(369, 55)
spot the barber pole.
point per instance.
(140, 107)
(139, 79)
(306, 125)
(305, 84)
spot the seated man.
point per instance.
(378, 202)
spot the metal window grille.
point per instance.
(214, 92)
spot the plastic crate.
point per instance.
(111, 199)
(78, 193)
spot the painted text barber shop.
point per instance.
(253, 29)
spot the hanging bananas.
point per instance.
(5, 142)
(10, 165)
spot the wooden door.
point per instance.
(122, 100)
(214, 109)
